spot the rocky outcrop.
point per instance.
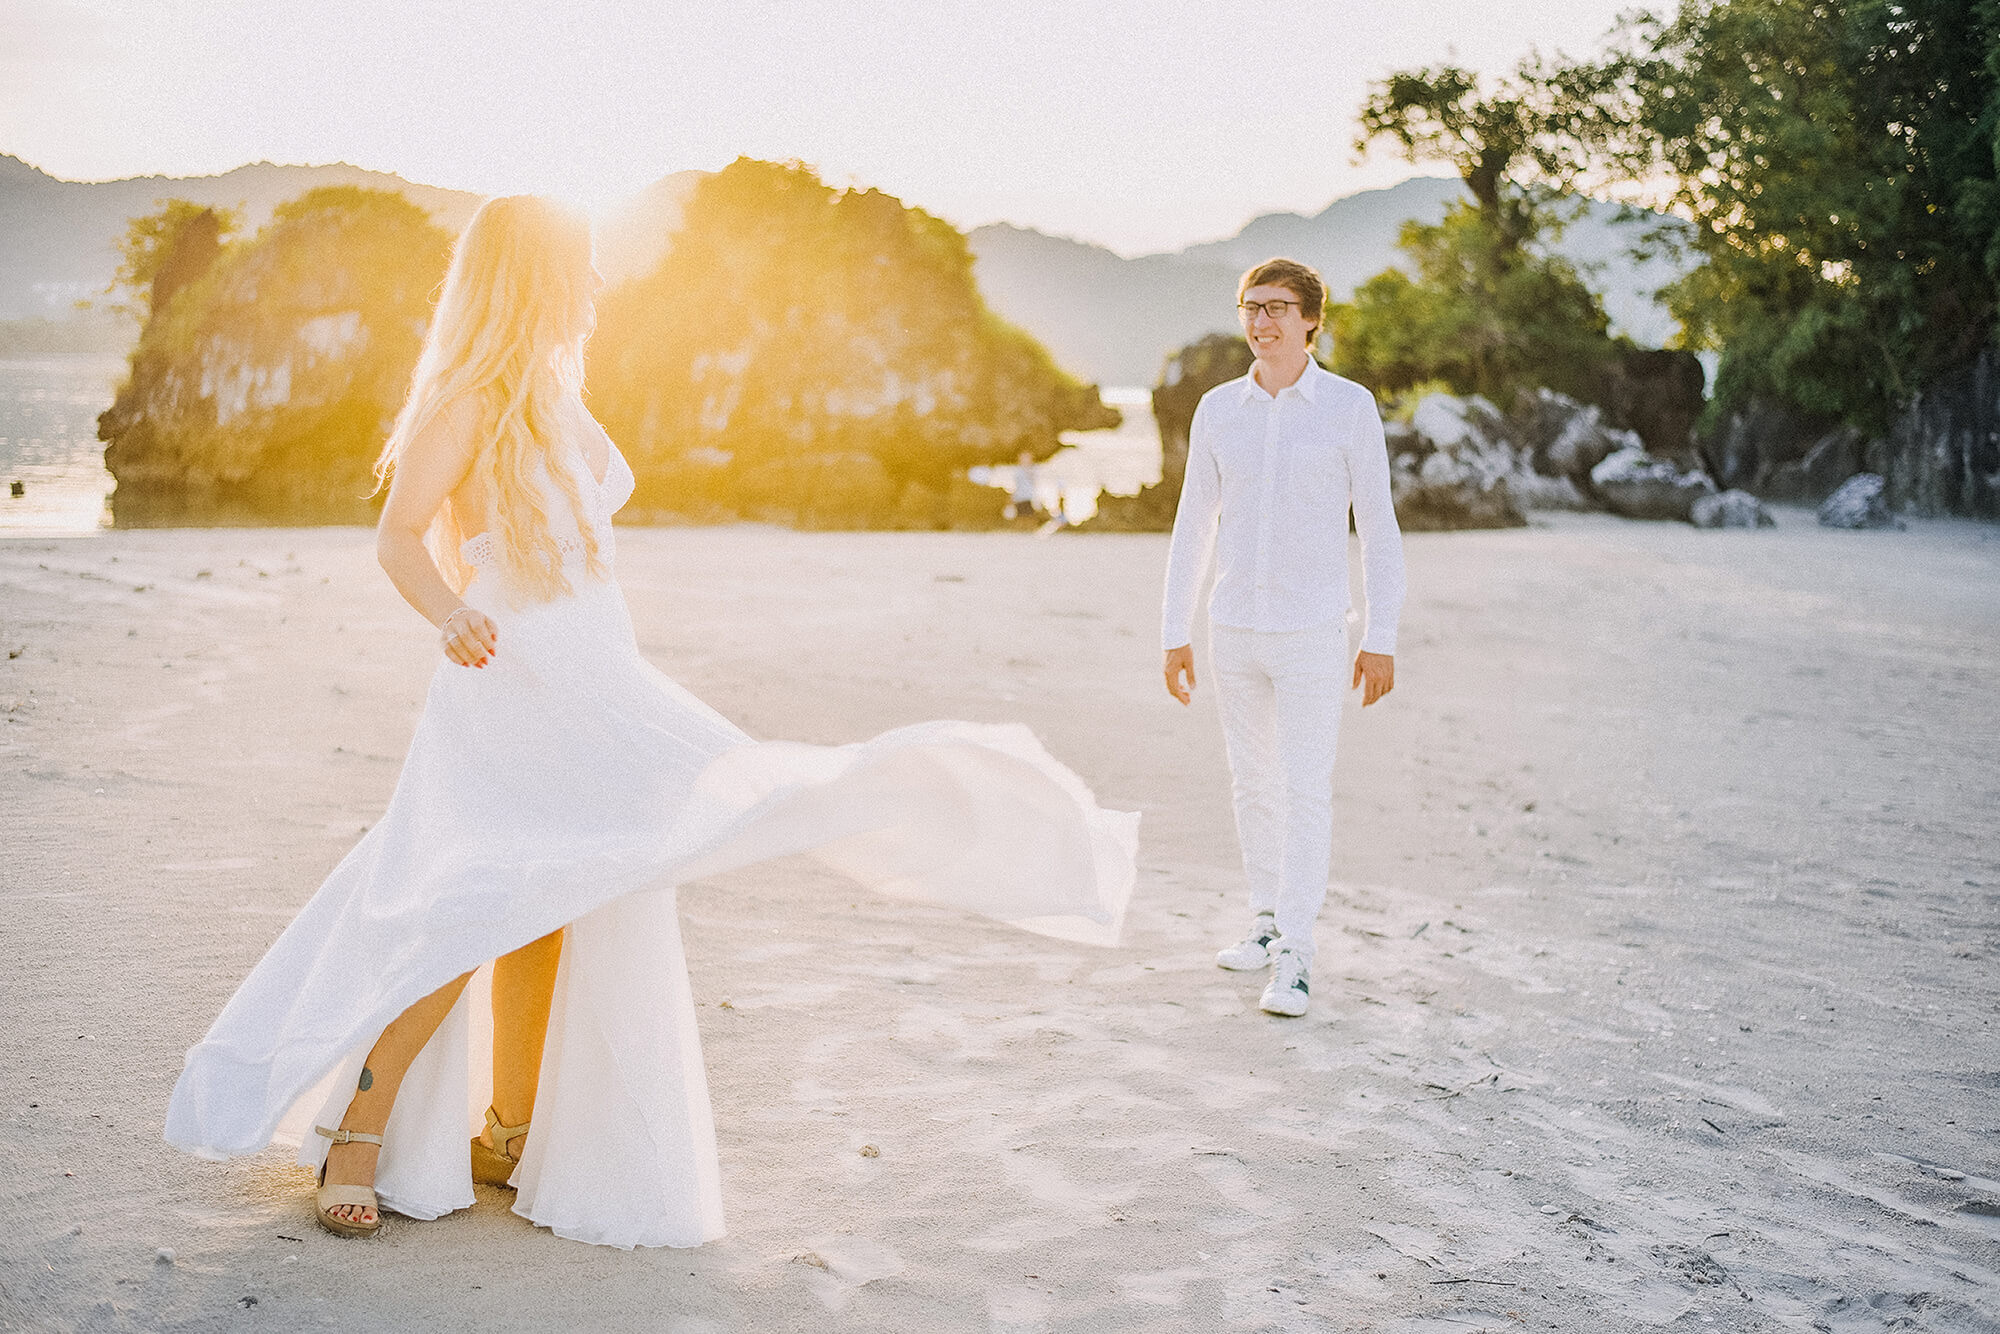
(1187, 375)
(1184, 378)
(1940, 454)
(1749, 447)
(1636, 485)
(1446, 492)
(1565, 438)
(1657, 394)
(270, 370)
(1828, 461)
(1455, 462)
(853, 392)
(1730, 509)
(1858, 503)
(1451, 466)
(867, 373)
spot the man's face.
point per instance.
(1282, 336)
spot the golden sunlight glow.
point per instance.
(1126, 122)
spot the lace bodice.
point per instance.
(600, 501)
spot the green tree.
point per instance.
(1837, 158)
(1514, 146)
(163, 252)
(1489, 309)
(1480, 315)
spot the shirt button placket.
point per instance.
(1266, 523)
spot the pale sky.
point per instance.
(1141, 126)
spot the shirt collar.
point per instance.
(1307, 385)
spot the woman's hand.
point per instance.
(469, 637)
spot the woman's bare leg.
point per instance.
(524, 984)
(375, 1094)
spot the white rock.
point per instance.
(1731, 509)
(1639, 486)
(1858, 503)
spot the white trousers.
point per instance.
(1280, 696)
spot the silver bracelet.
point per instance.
(444, 626)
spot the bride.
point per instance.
(558, 787)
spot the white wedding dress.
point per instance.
(569, 783)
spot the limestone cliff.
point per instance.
(265, 381)
(819, 356)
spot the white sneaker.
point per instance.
(1253, 952)
(1289, 990)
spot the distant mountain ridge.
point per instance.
(59, 239)
(1104, 317)
(1115, 320)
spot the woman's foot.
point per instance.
(353, 1165)
(514, 1148)
(496, 1151)
(345, 1203)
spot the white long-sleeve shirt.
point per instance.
(1270, 479)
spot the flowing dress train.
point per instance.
(571, 784)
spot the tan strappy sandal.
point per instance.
(333, 1197)
(492, 1165)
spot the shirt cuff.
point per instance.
(1381, 641)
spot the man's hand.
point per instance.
(1378, 670)
(1180, 661)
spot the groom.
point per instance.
(1275, 461)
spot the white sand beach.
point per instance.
(1657, 989)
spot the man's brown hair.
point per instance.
(1301, 280)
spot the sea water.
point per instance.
(1118, 462)
(49, 444)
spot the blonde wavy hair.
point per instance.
(509, 330)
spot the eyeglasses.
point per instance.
(1275, 309)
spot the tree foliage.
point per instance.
(1480, 315)
(1514, 144)
(809, 351)
(163, 252)
(264, 387)
(1838, 160)
(1488, 309)
(802, 353)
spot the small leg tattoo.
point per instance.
(367, 1079)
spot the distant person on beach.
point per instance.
(1021, 499)
(1276, 459)
(556, 791)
